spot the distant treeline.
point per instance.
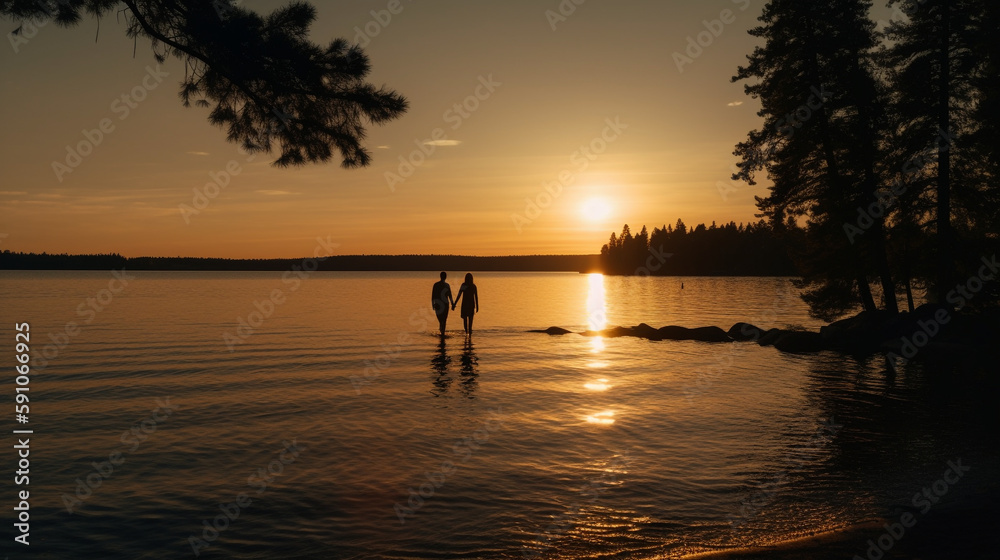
(527, 263)
(729, 250)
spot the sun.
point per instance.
(596, 209)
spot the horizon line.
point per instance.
(45, 253)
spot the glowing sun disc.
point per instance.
(596, 209)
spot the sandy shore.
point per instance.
(967, 532)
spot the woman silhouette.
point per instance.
(470, 306)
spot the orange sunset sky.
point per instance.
(553, 92)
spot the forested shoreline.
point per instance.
(752, 249)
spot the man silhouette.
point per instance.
(441, 300)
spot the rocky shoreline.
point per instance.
(930, 327)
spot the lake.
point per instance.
(245, 415)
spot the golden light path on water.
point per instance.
(597, 314)
(597, 319)
(599, 385)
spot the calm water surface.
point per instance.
(510, 445)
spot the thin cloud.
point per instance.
(381, 147)
(274, 193)
(442, 142)
(199, 153)
(12, 193)
(734, 104)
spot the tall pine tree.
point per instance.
(819, 145)
(941, 67)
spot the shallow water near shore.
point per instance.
(352, 430)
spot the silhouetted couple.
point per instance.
(441, 298)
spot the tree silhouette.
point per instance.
(986, 113)
(897, 147)
(819, 143)
(940, 62)
(263, 79)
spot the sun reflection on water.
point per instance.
(599, 385)
(606, 417)
(597, 318)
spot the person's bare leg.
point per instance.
(470, 324)
(442, 321)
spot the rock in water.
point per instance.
(710, 334)
(645, 331)
(861, 333)
(703, 334)
(769, 337)
(799, 341)
(673, 332)
(553, 331)
(745, 332)
(615, 332)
